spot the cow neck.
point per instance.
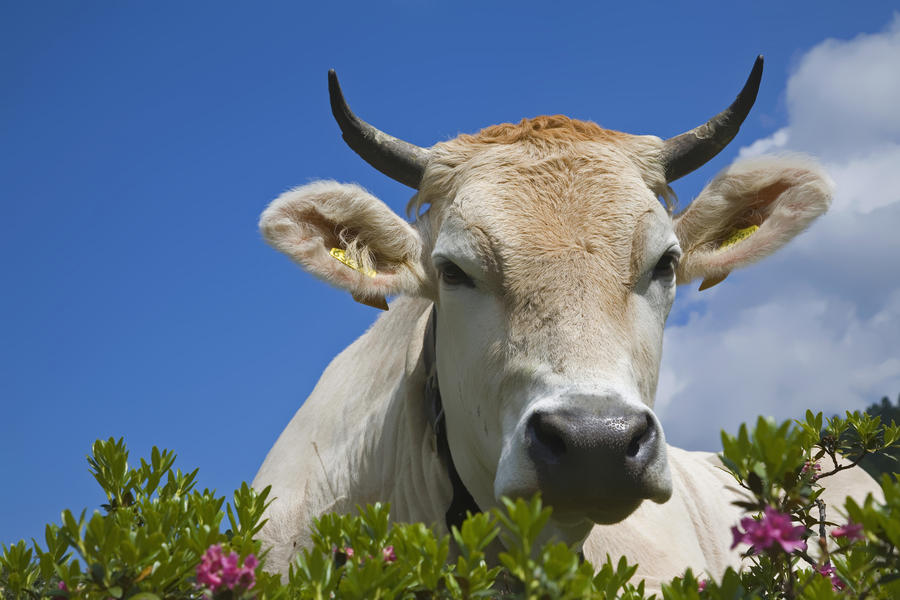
(462, 502)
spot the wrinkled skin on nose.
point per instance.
(598, 463)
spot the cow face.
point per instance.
(553, 265)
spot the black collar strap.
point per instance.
(462, 502)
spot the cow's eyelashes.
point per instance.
(451, 274)
(665, 268)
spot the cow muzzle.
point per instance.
(597, 456)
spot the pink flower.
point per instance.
(387, 553)
(852, 531)
(230, 571)
(247, 575)
(773, 528)
(217, 571)
(209, 571)
(828, 570)
(811, 466)
(701, 585)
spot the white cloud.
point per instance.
(843, 96)
(817, 325)
(777, 140)
(870, 181)
(800, 350)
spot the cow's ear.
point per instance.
(750, 210)
(349, 238)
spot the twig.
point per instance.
(823, 541)
(838, 468)
(322, 464)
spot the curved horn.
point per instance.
(395, 158)
(690, 150)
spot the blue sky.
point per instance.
(140, 142)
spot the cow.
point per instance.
(522, 351)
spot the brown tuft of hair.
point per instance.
(546, 128)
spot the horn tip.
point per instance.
(339, 106)
(755, 77)
(333, 80)
(758, 65)
(747, 96)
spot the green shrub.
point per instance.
(147, 542)
(159, 538)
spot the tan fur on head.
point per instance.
(307, 222)
(545, 129)
(454, 161)
(780, 194)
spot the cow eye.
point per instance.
(665, 268)
(453, 275)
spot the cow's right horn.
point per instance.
(395, 158)
(692, 149)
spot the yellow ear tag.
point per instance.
(373, 301)
(341, 255)
(737, 236)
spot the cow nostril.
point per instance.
(641, 437)
(633, 446)
(545, 432)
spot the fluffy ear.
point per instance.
(349, 238)
(750, 210)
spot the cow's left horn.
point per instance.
(395, 158)
(692, 149)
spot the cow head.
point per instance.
(553, 265)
